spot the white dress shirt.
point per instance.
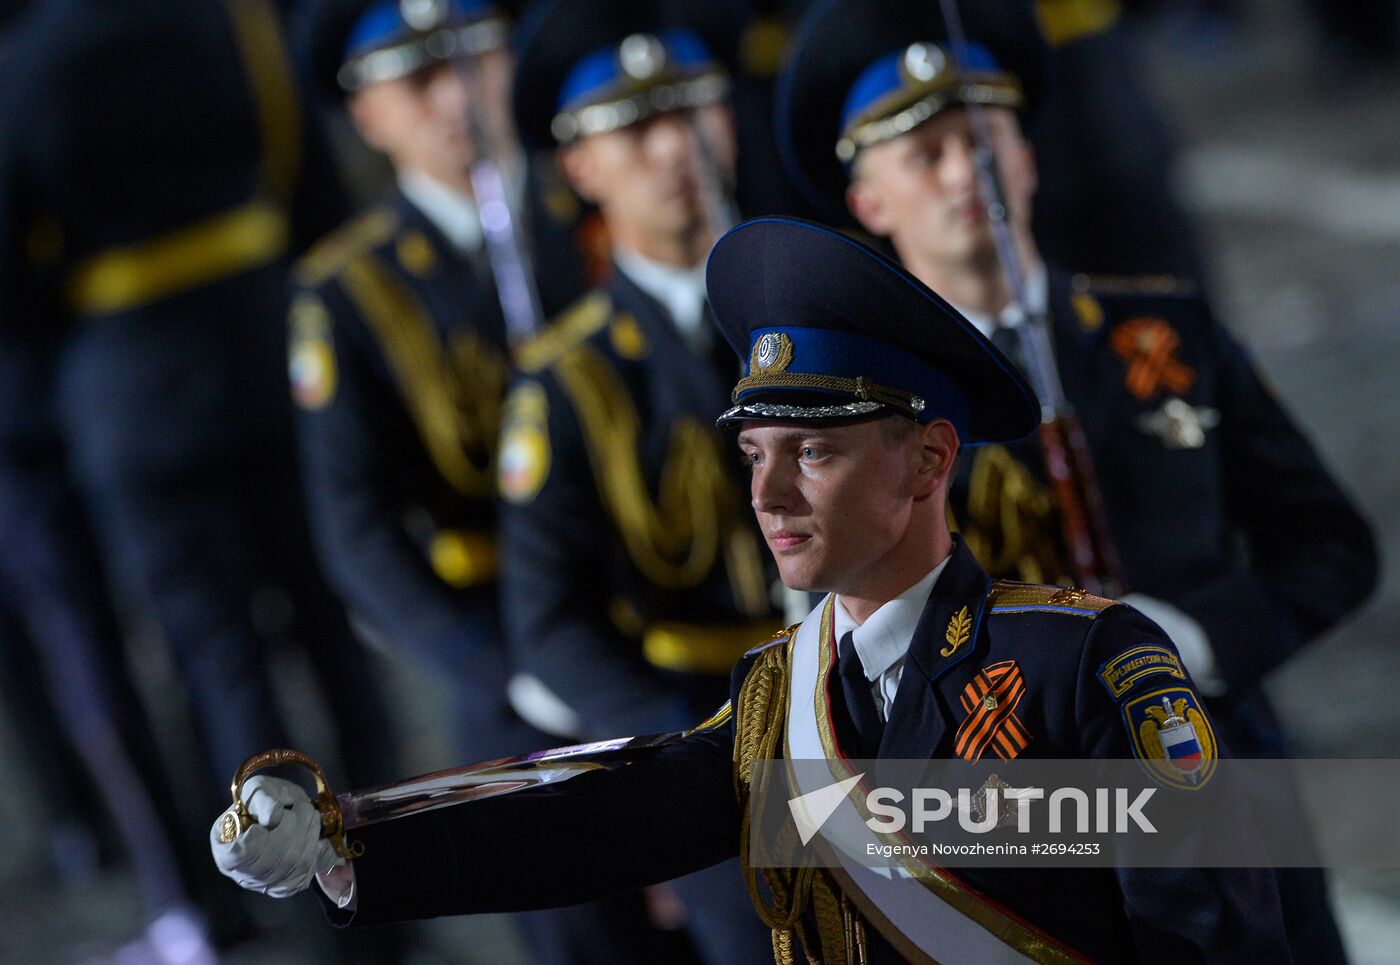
(1037, 298)
(451, 211)
(681, 291)
(884, 638)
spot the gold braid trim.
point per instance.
(1011, 526)
(860, 387)
(675, 539)
(450, 424)
(759, 724)
(833, 921)
(783, 952)
(268, 63)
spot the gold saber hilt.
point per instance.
(236, 819)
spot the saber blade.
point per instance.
(440, 789)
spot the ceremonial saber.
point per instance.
(474, 782)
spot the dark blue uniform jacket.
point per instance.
(399, 363)
(632, 573)
(676, 810)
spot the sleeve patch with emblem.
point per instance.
(1172, 736)
(523, 464)
(311, 360)
(1121, 672)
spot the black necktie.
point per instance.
(858, 723)
(1009, 341)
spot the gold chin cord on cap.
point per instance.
(236, 819)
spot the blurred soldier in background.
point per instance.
(631, 573)
(399, 353)
(399, 350)
(154, 181)
(1235, 537)
(53, 587)
(65, 672)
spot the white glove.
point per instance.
(284, 850)
(1190, 639)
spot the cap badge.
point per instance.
(771, 353)
(423, 14)
(641, 56)
(924, 62)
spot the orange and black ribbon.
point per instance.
(1148, 347)
(990, 702)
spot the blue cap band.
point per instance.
(819, 353)
(383, 24)
(599, 73)
(885, 77)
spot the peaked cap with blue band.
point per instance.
(354, 43)
(833, 330)
(601, 65)
(861, 72)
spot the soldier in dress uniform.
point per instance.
(1231, 532)
(398, 346)
(861, 387)
(631, 574)
(632, 577)
(54, 589)
(155, 182)
(399, 360)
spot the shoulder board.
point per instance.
(572, 327)
(337, 249)
(1168, 285)
(1008, 596)
(782, 636)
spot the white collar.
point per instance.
(1037, 298)
(451, 211)
(681, 291)
(883, 639)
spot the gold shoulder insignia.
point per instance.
(329, 255)
(1008, 596)
(573, 326)
(782, 636)
(1133, 285)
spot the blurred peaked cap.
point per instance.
(590, 66)
(863, 71)
(830, 329)
(349, 44)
